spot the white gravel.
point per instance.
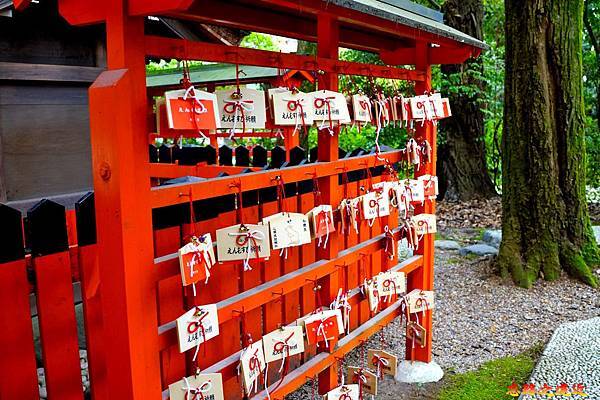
(573, 357)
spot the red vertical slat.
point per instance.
(169, 304)
(17, 356)
(71, 227)
(307, 256)
(272, 269)
(58, 328)
(92, 312)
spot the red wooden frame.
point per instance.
(131, 288)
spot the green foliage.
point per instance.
(259, 41)
(493, 76)
(491, 380)
(591, 86)
(164, 66)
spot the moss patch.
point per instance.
(491, 380)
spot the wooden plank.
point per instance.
(423, 279)
(47, 72)
(169, 304)
(203, 51)
(123, 219)
(273, 309)
(58, 328)
(307, 257)
(17, 363)
(35, 166)
(92, 312)
(171, 194)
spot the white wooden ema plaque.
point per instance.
(424, 223)
(345, 392)
(361, 107)
(288, 230)
(293, 109)
(419, 300)
(245, 111)
(330, 106)
(243, 242)
(252, 364)
(284, 342)
(207, 386)
(197, 326)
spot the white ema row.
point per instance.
(239, 109)
(321, 328)
(254, 242)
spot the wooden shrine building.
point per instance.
(139, 310)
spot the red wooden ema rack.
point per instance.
(133, 282)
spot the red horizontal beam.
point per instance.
(288, 18)
(185, 49)
(247, 16)
(163, 170)
(163, 196)
(436, 55)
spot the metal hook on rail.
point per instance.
(279, 296)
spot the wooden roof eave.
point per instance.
(370, 25)
(376, 19)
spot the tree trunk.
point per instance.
(545, 225)
(461, 158)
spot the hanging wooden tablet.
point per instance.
(323, 327)
(382, 362)
(430, 186)
(416, 332)
(284, 342)
(200, 386)
(375, 204)
(196, 259)
(197, 326)
(419, 300)
(270, 93)
(243, 242)
(365, 379)
(391, 283)
(419, 107)
(322, 224)
(344, 392)
(243, 110)
(414, 190)
(435, 106)
(371, 293)
(252, 366)
(362, 108)
(192, 109)
(288, 230)
(446, 111)
(329, 107)
(293, 108)
(424, 223)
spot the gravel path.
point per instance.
(572, 357)
(479, 317)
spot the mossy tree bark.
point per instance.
(461, 158)
(546, 226)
